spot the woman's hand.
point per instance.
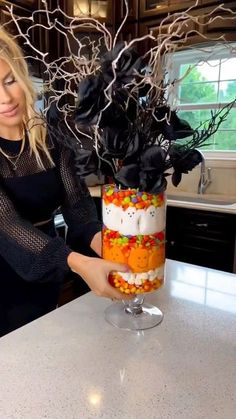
(95, 273)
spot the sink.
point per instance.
(201, 199)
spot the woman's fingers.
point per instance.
(95, 272)
(120, 267)
(113, 292)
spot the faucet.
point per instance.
(205, 176)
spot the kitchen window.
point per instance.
(209, 85)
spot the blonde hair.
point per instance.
(12, 54)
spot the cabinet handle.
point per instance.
(202, 225)
(172, 243)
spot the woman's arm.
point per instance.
(31, 253)
(78, 207)
(84, 228)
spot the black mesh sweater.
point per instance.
(30, 195)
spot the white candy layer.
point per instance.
(139, 278)
(134, 221)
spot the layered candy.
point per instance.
(134, 234)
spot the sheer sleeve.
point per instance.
(32, 254)
(78, 207)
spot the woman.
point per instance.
(37, 177)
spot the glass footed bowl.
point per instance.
(134, 234)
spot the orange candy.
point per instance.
(126, 288)
(138, 259)
(157, 257)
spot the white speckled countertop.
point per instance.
(71, 364)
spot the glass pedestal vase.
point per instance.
(134, 234)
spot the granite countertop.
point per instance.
(72, 364)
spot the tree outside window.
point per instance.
(210, 84)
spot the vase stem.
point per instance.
(134, 306)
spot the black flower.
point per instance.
(147, 173)
(152, 169)
(114, 116)
(115, 142)
(128, 176)
(91, 100)
(167, 123)
(136, 130)
(88, 162)
(183, 160)
(128, 65)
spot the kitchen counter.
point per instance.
(72, 364)
(205, 202)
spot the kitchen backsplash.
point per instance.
(223, 175)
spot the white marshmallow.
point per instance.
(138, 279)
(131, 280)
(152, 275)
(111, 215)
(130, 221)
(125, 275)
(153, 220)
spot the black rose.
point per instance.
(152, 176)
(86, 162)
(91, 100)
(167, 123)
(183, 160)
(127, 67)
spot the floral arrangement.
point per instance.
(136, 129)
(119, 99)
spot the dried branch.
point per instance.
(148, 118)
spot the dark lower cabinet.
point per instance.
(201, 237)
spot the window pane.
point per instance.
(227, 70)
(196, 117)
(230, 122)
(208, 84)
(194, 93)
(209, 146)
(205, 71)
(183, 69)
(227, 91)
(221, 140)
(209, 70)
(225, 140)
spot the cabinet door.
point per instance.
(132, 12)
(98, 9)
(221, 24)
(157, 30)
(129, 32)
(214, 2)
(157, 7)
(201, 237)
(29, 4)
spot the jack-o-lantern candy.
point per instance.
(156, 257)
(138, 259)
(134, 234)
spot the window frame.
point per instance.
(195, 54)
